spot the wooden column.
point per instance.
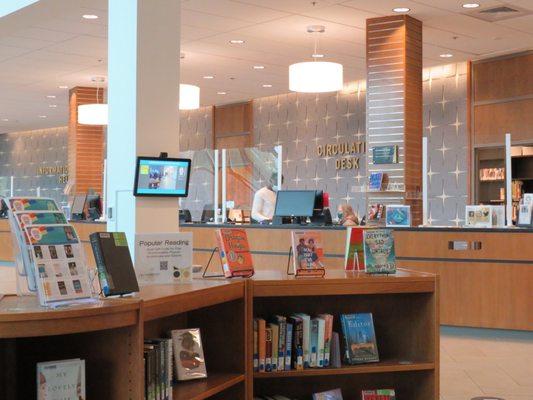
(394, 107)
(85, 144)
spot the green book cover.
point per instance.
(380, 257)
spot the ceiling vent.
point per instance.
(498, 13)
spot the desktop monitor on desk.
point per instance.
(294, 206)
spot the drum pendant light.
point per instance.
(93, 113)
(189, 97)
(316, 76)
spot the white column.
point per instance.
(508, 181)
(144, 49)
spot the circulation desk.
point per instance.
(486, 275)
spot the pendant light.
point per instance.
(316, 76)
(189, 97)
(93, 113)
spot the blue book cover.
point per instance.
(359, 338)
(380, 257)
(397, 215)
(288, 347)
(375, 181)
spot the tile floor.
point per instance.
(486, 363)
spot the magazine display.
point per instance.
(61, 380)
(308, 253)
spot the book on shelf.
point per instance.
(288, 346)
(379, 394)
(113, 262)
(354, 256)
(281, 321)
(334, 394)
(63, 379)
(375, 181)
(397, 215)
(268, 349)
(256, 345)
(328, 332)
(306, 332)
(375, 213)
(274, 328)
(160, 382)
(379, 253)
(261, 338)
(234, 252)
(297, 342)
(308, 253)
(188, 352)
(359, 338)
(335, 352)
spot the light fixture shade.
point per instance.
(92, 114)
(189, 97)
(315, 77)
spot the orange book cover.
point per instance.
(234, 252)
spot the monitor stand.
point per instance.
(289, 221)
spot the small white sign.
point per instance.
(162, 258)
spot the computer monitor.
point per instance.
(78, 206)
(94, 206)
(295, 203)
(162, 177)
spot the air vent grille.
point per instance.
(498, 13)
(502, 9)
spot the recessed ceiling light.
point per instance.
(317, 55)
(236, 41)
(5, 119)
(52, 105)
(266, 85)
(259, 67)
(401, 9)
(446, 55)
(208, 77)
(51, 96)
(89, 16)
(471, 5)
(63, 87)
(42, 116)
(221, 92)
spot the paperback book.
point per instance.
(375, 213)
(375, 181)
(354, 255)
(188, 354)
(380, 257)
(359, 338)
(334, 394)
(397, 215)
(308, 253)
(380, 394)
(61, 380)
(234, 252)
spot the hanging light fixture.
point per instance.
(189, 97)
(315, 76)
(94, 113)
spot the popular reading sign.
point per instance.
(345, 151)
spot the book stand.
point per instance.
(220, 275)
(304, 272)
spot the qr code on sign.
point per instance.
(163, 265)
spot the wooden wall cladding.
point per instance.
(394, 105)
(233, 119)
(503, 99)
(86, 144)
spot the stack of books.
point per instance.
(380, 394)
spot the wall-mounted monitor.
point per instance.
(162, 177)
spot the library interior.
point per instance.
(266, 199)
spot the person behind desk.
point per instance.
(265, 202)
(347, 216)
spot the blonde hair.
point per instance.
(348, 213)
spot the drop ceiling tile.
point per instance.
(234, 10)
(82, 45)
(214, 22)
(342, 14)
(45, 34)
(25, 43)
(7, 52)
(292, 6)
(524, 24)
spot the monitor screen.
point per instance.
(166, 177)
(295, 203)
(78, 204)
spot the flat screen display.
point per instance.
(166, 177)
(295, 203)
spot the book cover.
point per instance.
(61, 380)
(334, 394)
(282, 342)
(306, 328)
(256, 345)
(188, 354)
(308, 252)
(234, 252)
(359, 338)
(375, 181)
(320, 342)
(261, 338)
(354, 257)
(397, 215)
(268, 349)
(313, 343)
(288, 346)
(335, 354)
(328, 332)
(297, 342)
(113, 261)
(275, 345)
(375, 213)
(380, 257)
(385, 154)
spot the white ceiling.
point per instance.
(48, 44)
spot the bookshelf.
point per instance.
(405, 311)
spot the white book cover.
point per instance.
(61, 380)
(306, 338)
(320, 342)
(188, 354)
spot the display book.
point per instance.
(49, 253)
(300, 341)
(307, 253)
(525, 211)
(62, 379)
(180, 357)
(370, 250)
(484, 216)
(234, 252)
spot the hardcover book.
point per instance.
(61, 380)
(306, 329)
(282, 342)
(234, 252)
(375, 181)
(354, 256)
(261, 339)
(308, 253)
(297, 342)
(359, 338)
(380, 257)
(375, 213)
(268, 349)
(397, 215)
(288, 346)
(113, 261)
(334, 394)
(380, 394)
(188, 354)
(328, 333)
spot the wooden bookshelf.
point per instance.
(405, 312)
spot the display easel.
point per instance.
(304, 272)
(207, 266)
